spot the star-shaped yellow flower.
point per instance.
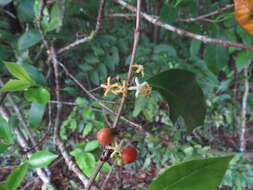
(108, 86)
(121, 89)
(140, 69)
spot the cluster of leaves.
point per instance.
(181, 71)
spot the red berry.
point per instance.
(105, 136)
(129, 155)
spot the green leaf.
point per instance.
(85, 67)
(195, 46)
(28, 40)
(102, 71)
(140, 103)
(168, 14)
(41, 159)
(94, 77)
(17, 71)
(25, 10)
(90, 146)
(5, 131)
(35, 74)
(216, 57)
(15, 85)
(3, 147)
(36, 113)
(241, 60)
(106, 167)
(55, 19)
(199, 174)
(183, 94)
(165, 48)
(87, 129)
(86, 161)
(16, 177)
(4, 2)
(3, 186)
(40, 95)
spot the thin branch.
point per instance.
(124, 15)
(203, 17)
(10, 14)
(244, 108)
(90, 37)
(123, 99)
(205, 39)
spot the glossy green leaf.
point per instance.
(16, 177)
(15, 85)
(18, 71)
(183, 94)
(41, 159)
(199, 174)
(28, 39)
(36, 113)
(87, 129)
(216, 57)
(5, 131)
(102, 71)
(90, 146)
(3, 147)
(40, 95)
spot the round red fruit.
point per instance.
(129, 155)
(105, 136)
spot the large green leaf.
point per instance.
(41, 159)
(40, 95)
(36, 113)
(28, 39)
(183, 94)
(16, 177)
(5, 131)
(15, 85)
(17, 71)
(200, 174)
(216, 57)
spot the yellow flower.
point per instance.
(121, 89)
(142, 89)
(108, 86)
(140, 69)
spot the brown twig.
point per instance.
(123, 99)
(203, 17)
(87, 38)
(205, 39)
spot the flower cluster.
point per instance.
(142, 89)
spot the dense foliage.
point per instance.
(192, 132)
